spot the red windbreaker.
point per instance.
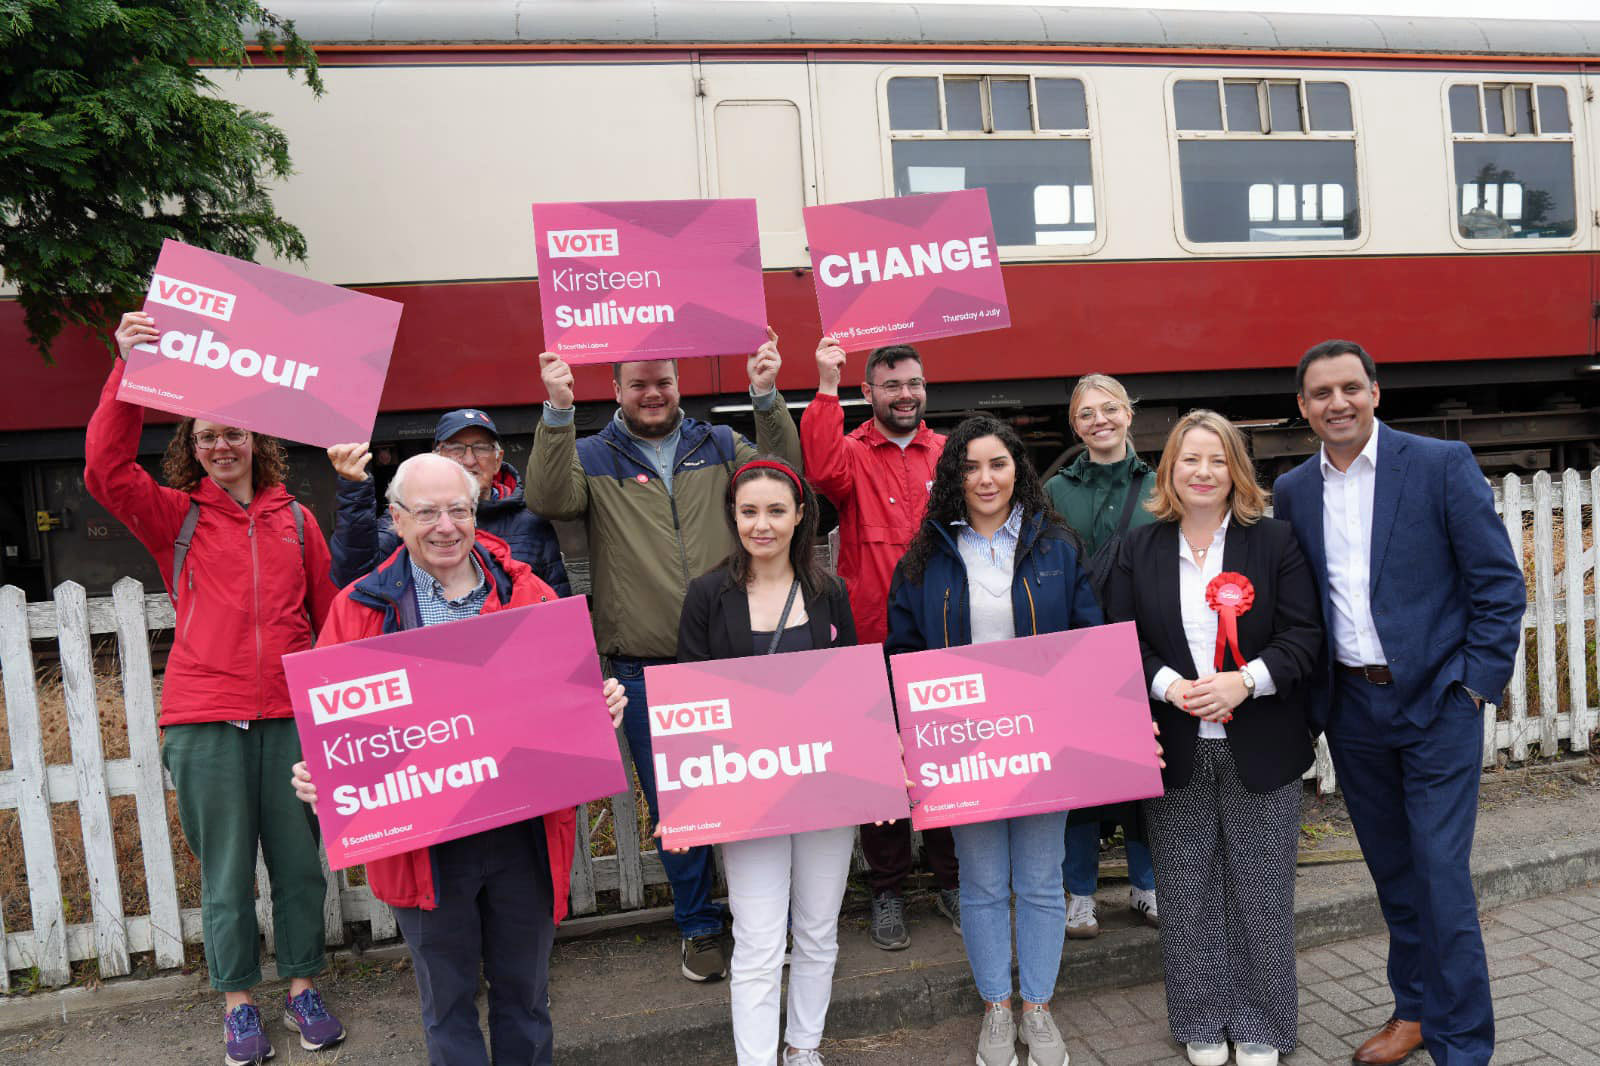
(880, 491)
(406, 880)
(248, 595)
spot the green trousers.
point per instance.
(233, 790)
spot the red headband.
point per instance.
(768, 464)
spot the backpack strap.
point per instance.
(180, 547)
(300, 526)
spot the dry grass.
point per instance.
(1561, 681)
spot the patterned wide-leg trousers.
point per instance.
(1225, 867)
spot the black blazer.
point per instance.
(715, 623)
(1269, 736)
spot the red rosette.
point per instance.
(1230, 595)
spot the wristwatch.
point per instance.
(1249, 680)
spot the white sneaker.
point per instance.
(1081, 923)
(1202, 1054)
(1142, 901)
(1255, 1054)
(802, 1057)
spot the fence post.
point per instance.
(1577, 665)
(144, 750)
(580, 889)
(625, 830)
(89, 768)
(1544, 609)
(1519, 673)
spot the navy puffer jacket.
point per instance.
(363, 537)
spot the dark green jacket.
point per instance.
(1089, 495)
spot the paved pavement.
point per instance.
(1544, 963)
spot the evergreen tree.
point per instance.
(113, 137)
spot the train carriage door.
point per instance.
(1589, 175)
(756, 123)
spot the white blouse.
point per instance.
(1200, 625)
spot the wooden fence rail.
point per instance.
(1559, 601)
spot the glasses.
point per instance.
(908, 385)
(483, 450)
(459, 513)
(1109, 410)
(205, 440)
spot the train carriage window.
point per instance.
(1513, 159)
(1275, 160)
(1025, 139)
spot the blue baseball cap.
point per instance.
(465, 418)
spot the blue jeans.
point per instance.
(1021, 856)
(692, 875)
(1081, 868)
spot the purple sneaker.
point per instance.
(246, 1041)
(307, 1015)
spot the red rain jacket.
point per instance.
(880, 491)
(248, 595)
(366, 608)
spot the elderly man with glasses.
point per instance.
(489, 901)
(362, 538)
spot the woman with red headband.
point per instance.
(1230, 626)
(769, 596)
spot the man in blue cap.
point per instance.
(361, 539)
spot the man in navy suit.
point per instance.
(1424, 600)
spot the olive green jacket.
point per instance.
(646, 542)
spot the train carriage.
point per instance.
(1187, 200)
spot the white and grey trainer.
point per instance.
(997, 1040)
(1043, 1039)
(1205, 1053)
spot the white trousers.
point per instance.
(772, 883)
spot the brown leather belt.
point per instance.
(1374, 675)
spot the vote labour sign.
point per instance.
(249, 346)
(651, 279)
(773, 744)
(1024, 726)
(426, 735)
(906, 268)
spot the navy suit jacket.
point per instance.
(1447, 593)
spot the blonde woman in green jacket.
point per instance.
(1091, 495)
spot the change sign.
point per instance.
(651, 279)
(424, 736)
(1015, 727)
(906, 268)
(249, 346)
(773, 744)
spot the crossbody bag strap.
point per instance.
(783, 619)
(1134, 485)
(180, 547)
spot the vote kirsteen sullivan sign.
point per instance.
(245, 345)
(1024, 726)
(772, 744)
(906, 268)
(431, 734)
(650, 279)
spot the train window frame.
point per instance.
(888, 137)
(1507, 80)
(1264, 77)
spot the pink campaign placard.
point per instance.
(1015, 727)
(650, 279)
(773, 744)
(246, 345)
(906, 268)
(431, 734)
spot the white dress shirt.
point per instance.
(1347, 539)
(1200, 624)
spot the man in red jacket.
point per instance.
(490, 900)
(877, 477)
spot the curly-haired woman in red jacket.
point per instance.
(251, 586)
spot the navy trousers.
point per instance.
(1413, 797)
(493, 913)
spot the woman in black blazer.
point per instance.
(1225, 835)
(770, 596)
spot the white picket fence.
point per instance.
(72, 620)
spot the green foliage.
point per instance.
(112, 138)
